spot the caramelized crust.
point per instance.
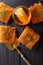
(37, 13)
(28, 32)
(7, 34)
(5, 12)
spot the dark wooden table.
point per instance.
(8, 57)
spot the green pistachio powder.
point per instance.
(3, 14)
(28, 38)
(39, 13)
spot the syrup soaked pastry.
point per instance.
(5, 12)
(8, 36)
(28, 37)
(21, 15)
(37, 13)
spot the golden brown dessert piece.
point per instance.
(21, 15)
(28, 37)
(5, 12)
(31, 8)
(37, 13)
(8, 36)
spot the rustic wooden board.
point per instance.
(8, 57)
